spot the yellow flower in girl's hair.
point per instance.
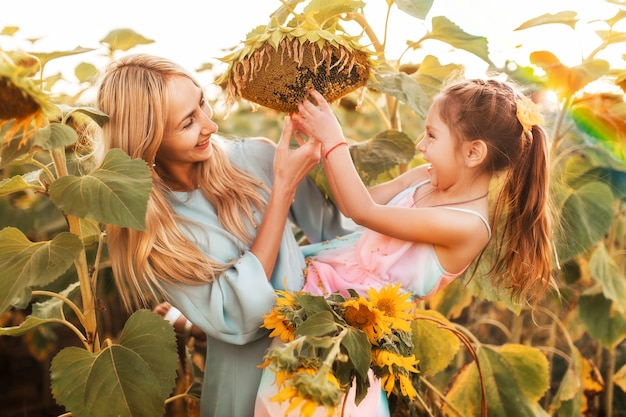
(528, 113)
(394, 305)
(361, 314)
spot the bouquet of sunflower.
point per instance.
(331, 342)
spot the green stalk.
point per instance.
(610, 386)
(88, 318)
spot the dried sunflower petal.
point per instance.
(21, 100)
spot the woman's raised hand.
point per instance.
(292, 165)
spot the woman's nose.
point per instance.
(421, 144)
(208, 125)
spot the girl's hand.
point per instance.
(318, 122)
(292, 165)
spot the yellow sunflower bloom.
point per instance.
(23, 105)
(308, 390)
(276, 321)
(285, 299)
(385, 358)
(406, 387)
(361, 314)
(394, 305)
(388, 382)
(280, 326)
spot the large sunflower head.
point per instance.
(277, 65)
(23, 105)
(394, 305)
(361, 314)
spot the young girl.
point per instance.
(218, 241)
(425, 227)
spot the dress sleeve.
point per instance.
(316, 215)
(230, 308)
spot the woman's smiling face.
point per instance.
(189, 126)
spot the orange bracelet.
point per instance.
(334, 147)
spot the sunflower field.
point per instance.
(66, 346)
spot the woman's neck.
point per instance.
(182, 179)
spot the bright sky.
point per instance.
(193, 32)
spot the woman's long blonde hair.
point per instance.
(133, 93)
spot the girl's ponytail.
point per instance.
(524, 244)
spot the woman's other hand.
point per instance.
(292, 165)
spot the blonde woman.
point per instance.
(218, 238)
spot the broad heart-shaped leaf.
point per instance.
(434, 346)
(26, 264)
(13, 185)
(131, 378)
(603, 118)
(431, 75)
(318, 324)
(586, 216)
(451, 300)
(445, 31)
(415, 8)
(606, 271)
(602, 321)
(480, 284)
(86, 72)
(382, 153)
(115, 193)
(580, 381)
(313, 304)
(61, 135)
(565, 80)
(44, 57)
(406, 89)
(124, 39)
(372, 158)
(324, 11)
(42, 313)
(596, 164)
(358, 349)
(566, 17)
(92, 113)
(516, 376)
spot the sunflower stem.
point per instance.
(88, 319)
(334, 351)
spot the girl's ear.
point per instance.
(475, 152)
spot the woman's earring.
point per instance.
(154, 162)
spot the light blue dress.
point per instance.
(230, 309)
